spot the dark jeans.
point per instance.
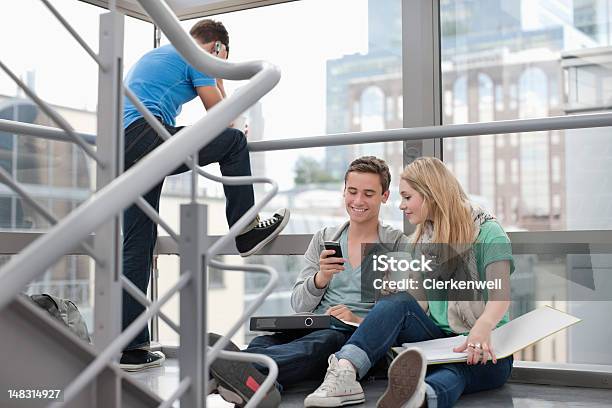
(399, 319)
(300, 357)
(229, 149)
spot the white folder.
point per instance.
(506, 340)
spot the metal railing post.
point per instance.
(154, 297)
(107, 241)
(421, 79)
(193, 341)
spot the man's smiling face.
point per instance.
(363, 196)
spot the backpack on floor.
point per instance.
(65, 311)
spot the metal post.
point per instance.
(421, 77)
(108, 289)
(156, 36)
(154, 297)
(155, 272)
(14, 159)
(193, 340)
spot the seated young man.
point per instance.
(325, 285)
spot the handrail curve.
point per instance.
(125, 189)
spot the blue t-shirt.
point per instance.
(163, 81)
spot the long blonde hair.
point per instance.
(444, 201)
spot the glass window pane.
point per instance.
(72, 278)
(65, 76)
(528, 59)
(578, 284)
(352, 83)
(225, 297)
(544, 58)
(57, 174)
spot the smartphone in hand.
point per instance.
(334, 246)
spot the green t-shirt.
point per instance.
(492, 245)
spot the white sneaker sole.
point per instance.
(139, 367)
(406, 374)
(230, 396)
(334, 401)
(270, 237)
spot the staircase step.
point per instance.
(39, 353)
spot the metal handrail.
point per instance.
(53, 115)
(439, 132)
(140, 297)
(235, 230)
(255, 358)
(139, 179)
(523, 243)
(43, 132)
(169, 24)
(166, 20)
(180, 390)
(76, 35)
(222, 342)
(113, 349)
(146, 208)
(6, 178)
(582, 121)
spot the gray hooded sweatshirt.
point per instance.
(306, 296)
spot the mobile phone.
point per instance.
(334, 246)
(217, 47)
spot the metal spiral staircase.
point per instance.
(44, 354)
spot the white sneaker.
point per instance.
(340, 387)
(406, 385)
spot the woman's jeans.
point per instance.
(229, 149)
(399, 319)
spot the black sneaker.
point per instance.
(237, 381)
(265, 231)
(136, 360)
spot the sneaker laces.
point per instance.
(330, 383)
(269, 222)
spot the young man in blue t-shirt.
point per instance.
(163, 81)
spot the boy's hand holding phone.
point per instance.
(330, 263)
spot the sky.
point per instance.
(299, 37)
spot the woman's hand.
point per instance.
(478, 346)
(343, 313)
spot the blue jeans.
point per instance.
(229, 149)
(399, 319)
(300, 357)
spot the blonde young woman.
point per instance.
(433, 201)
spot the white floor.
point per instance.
(165, 380)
